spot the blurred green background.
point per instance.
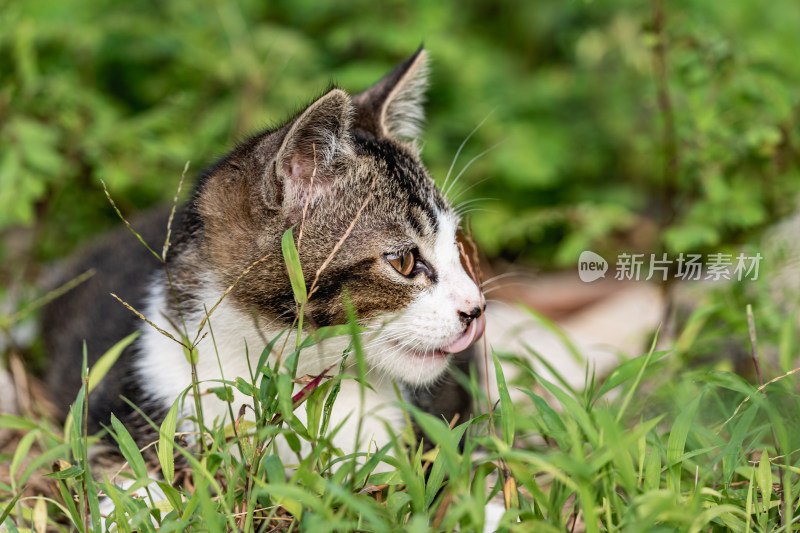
(611, 125)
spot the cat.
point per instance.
(346, 173)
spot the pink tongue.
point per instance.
(473, 333)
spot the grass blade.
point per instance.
(129, 449)
(107, 360)
(292, 260)
(506, 407)
(166, 443)
(677, 442)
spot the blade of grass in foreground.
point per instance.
(506, 407)
(292, 260)
(166, 443)
(677, 443)
(107, 360)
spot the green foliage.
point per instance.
(608, 125)
(662, 126)
(653, 446)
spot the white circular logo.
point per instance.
(591, 266)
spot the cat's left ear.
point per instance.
(393, 107)
(314, 152)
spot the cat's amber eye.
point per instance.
(402, 262)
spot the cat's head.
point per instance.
(347, 166)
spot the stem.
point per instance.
(751, 324)
(669, 133)
(85, 451)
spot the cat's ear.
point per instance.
(317, 148)
(393, 107)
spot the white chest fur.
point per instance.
(164, 374)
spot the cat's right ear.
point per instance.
(315, 150)
(393, 107)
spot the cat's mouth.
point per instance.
(471, 335)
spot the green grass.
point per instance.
(668, 441)
(654, 446)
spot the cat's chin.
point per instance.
(423, 368)
(430, 353)
(413, 366)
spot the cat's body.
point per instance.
(343, 167)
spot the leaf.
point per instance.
(748, 506)
(764, 479)
(329, 401)
(447, 439)
(292, 498)
(397, 503)
(9, 507)
(190, 352)
(262, 360)
(72, 472)
(553, 425)
(652, 471)
(284, 385)
(506, 407)
(225, 394)
(314, 408)
(573, 409)
(510, 495)
(434, 482)
(93, 500)
(39, 518)
(74, 423)
(21, 452)
(293, 441)
(9, 421)
(273, 466)
(627, 370)
(243, 387)
(211, 518)
(677, 442)
(128, 448)
(733, 450)
(166, 443)
(107, 360)
(173, 496)
(292, 260)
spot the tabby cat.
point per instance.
(346, 173)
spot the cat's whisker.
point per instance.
(499, 277)
(473, 201)
(469, 163)
(503, 286)
(454, 199)
(472, 207)
(396, 335)
(476, 210)
(505, 303)
(505, 275)
(458, 152)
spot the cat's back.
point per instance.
(88, 312)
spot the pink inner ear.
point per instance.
(299, 169)
(298, 184)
